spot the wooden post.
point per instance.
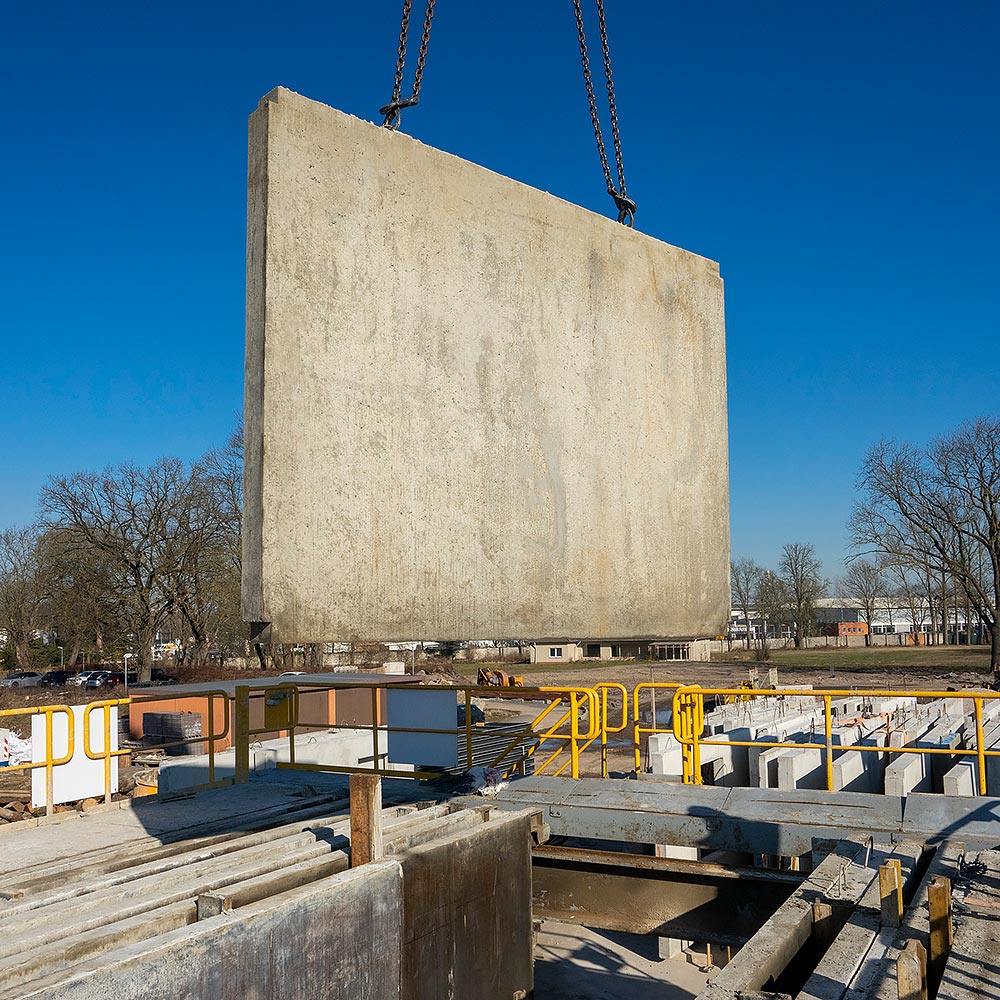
(939, 905)
(891, 890)
(911, 972)
(241, 733)
(824, 930)
(366, 818)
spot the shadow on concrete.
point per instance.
(581, 963)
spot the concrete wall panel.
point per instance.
(332, 939)
(467, 914)
(472, 409)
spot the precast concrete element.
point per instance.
(861, 771)
(912, 772)
(471, 408)
(971, 971)
(343, 748)
(848, 953)
(842, 877)
(280, 948)
(467, 914)
(755, 820)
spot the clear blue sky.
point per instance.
(841, 162)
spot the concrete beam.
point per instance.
(841, 878)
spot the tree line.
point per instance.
(787, 596)
(930, 518)
(925, 537)
(120, 555)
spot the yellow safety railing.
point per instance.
(637, 728)
(50, 761)
(689, 724)
(568, 725)
(565, 730)
(106, 753)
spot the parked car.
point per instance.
(162, 677)
(106, 679)
(21, 679)
(55, 678)
(80, 679)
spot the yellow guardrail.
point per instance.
(106, 753)
(562, 733)
(688, 725)
(50, 761)
(637, 728)
(573, 721)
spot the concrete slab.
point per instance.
(471, 408)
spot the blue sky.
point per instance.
(840, 162)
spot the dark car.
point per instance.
(106, 679)
(55, 678)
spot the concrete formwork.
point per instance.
(471, 408)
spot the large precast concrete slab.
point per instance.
(472, 409)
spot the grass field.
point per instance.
(942, 658)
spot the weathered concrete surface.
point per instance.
(467, 914)
(471, 408)
(278, 948)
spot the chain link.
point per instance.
(625, 205)
(393, 110)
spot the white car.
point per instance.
(80, 680)
(21, 679)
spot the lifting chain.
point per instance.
(393, 110)
(624, 204)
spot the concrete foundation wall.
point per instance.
(471, 408)
(282, 949)
(467, 915)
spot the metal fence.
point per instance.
(571, 732)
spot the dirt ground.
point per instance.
(873, 667)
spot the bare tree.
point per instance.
(83, 597)
(801, 573)
(949, 496)
(22, 593)
(770, 600)
(865, 580)
(141, 519)
(745, 576)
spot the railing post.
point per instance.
(468, 729)
(636, 736)
(603, 699)
(375, 758)
(241, 734)
(49, 804)
(828, 728)
(574, 730)
(697, 728)
(211, 737)
(107, 751)
(980, 749)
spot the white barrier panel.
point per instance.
(81, 777)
